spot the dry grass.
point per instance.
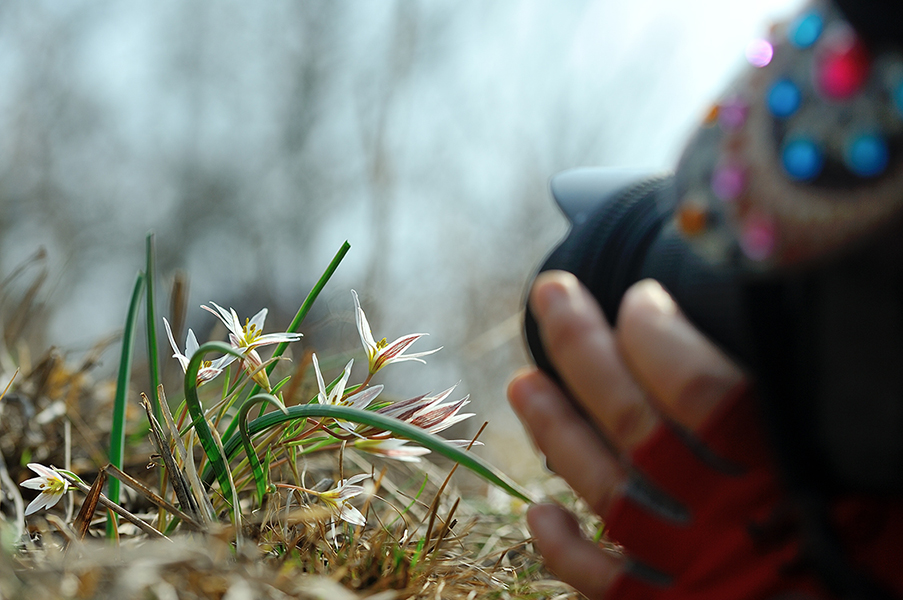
(423, 538)
(420, 542)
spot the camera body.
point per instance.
(780, 236)
(823, 342)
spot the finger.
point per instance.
(581, 346)
(572, 557)
(572, 447)
(684, 372)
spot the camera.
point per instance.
(780, 236)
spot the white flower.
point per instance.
(209, 369)
(392, 448)
(52, 485)
(338, 497)
(245, 338)
(382, 353)
(426, 412)
(361, 399)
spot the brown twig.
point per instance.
(435, 504)
(107, 503)
(179, 485)
(446, 526)
(83, 519)
(153, 497)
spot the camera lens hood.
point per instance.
(620, 233)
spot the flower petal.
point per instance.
(363, 398)
(35, 483)
(394, 352)
(44, 471)
(322, 398)
(347, 492)
(392, 448)
(223, 315)
(442, 417)
(52, 499)
(274, 338)
(349, 514)
(403, 407)
(357, 478)
(223, 361)
(172, 341)
(339, 390)
(363, 327)
(206, 374)
(36, 505)
(258, 320)
(191, 344)
(236, 327)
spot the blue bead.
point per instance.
(806, 29)
(866, 155)
(802, 159)
(784, 98)
(898, 98)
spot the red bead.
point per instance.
(843, 66)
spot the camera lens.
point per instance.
(622, 232)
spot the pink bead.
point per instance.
(758, 238)
(728, 182)
(759, 53)
(732, 114)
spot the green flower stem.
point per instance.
(397, 427)
(199, 422)
(259, 475)
(117, 431)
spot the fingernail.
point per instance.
(525, 393)
(549, 292)
(657, 295)
(543, 518)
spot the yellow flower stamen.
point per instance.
(250, 332)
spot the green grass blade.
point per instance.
(295, 325)
(150, 311)
(260, 477)
(415, 558)
(414, 499)
(117, 431)
(233, 493)
(199, 422)
(397, 427)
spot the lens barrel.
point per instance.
(627, 237)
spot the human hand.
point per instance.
(639, 383)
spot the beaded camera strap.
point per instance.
(803, 155)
